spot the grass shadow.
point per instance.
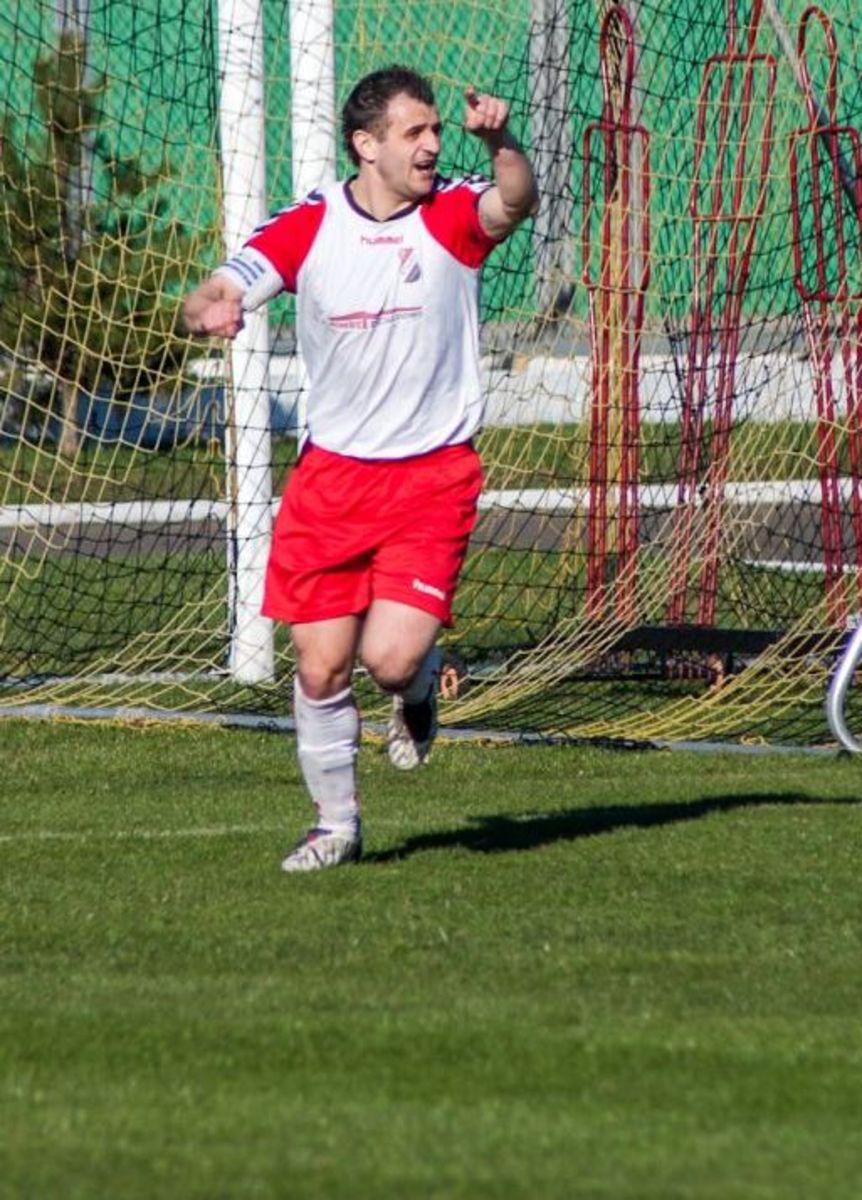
(501, 833)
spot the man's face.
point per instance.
(405, 157)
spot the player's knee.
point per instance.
(320, 680)
(393, 671)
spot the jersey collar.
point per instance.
(361, 212)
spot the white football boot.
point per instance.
(322, 848)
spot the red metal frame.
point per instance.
(827, 328)
(619, 139)
(740, 228)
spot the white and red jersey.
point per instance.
(387, 315)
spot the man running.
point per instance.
(374, 523)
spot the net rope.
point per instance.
(670, 540)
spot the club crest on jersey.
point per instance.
(408, 263)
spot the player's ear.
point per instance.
(365, 145)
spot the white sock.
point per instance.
(327, 740)
(424, 680)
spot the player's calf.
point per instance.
(413, 721)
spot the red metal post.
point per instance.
(821, 296)
(725, 233)
(616, 349)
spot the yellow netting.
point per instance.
(706, 601)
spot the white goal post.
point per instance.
(242, 121)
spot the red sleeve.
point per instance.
(452, 218)
(288, 236)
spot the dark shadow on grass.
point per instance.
(501, 833)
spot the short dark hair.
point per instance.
(365, 107)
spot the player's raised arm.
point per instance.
(215, 308)
(515, 195)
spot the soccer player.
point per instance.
(374, 523)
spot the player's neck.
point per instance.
(376, 199)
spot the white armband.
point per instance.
(255, 274)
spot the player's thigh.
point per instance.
(395, 638)
(325, 654)
(419, 560)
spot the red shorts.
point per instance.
(351, 530)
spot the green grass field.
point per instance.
(559, 972)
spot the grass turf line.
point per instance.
(560, 973)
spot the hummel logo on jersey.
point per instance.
(382, 239)
(428, 589)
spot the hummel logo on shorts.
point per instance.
(428, 589)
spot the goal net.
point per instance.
(670, 539)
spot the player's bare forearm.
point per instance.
(516, 184)
(515, 195)
(214, 309)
